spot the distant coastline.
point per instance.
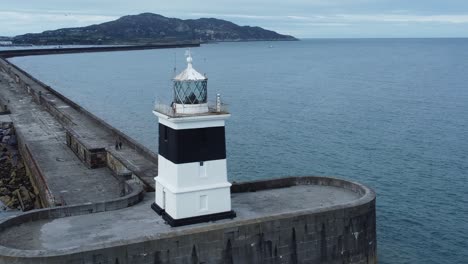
(150, 29)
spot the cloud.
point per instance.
(354, 24)
(221, 15)
(348, 18)
(454, 19)
(15, 22)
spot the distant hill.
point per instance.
(148, 28)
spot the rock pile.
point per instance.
(16, 191)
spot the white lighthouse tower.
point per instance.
(192, 186)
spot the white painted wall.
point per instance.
(191, 109)
(190, 174)
(218, 200)
(171, 203)
(183, 205)
(167, 171)
(184, 184)
(190, 122)
(158, 197)
(177, 189)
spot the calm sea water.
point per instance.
(390, 113)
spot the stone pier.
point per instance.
(98, 211)
(289, 220)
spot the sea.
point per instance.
(389, 113)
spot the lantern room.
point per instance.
(190, 91)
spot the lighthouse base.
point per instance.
(191, 220)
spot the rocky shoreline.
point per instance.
(16, 190)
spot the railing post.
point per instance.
(218, 103)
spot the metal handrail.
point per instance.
(213, 108)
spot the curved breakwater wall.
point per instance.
(343, 233)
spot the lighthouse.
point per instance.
(192, 186)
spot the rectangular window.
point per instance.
(165, 133)
(202, 170)
(203, 202)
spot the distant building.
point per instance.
(6, 43)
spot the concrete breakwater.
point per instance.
(100, 214)
(57, 50)
(91, 134)
(326, 221)
(55, 170)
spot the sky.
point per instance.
(300, 18)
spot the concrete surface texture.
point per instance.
(92, 131)
(300, 220)
(7, 214)
(5, 118)
(140, 221)
(66, 177)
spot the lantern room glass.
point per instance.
(190, 92)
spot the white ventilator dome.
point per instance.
(189, 74)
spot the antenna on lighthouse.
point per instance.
(175, 63)
(188, 54)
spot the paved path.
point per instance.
(139, 222)
(69, 181)
(97, 136)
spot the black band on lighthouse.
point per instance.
(192, 145)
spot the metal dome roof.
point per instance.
(190, 74)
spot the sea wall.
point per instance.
(50, 51)
(339, 234)
(117, 167)
(25, 81)
(92, 157)
(36, 176)
(133, 194)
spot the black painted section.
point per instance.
(194, 255)
(192, 145)
(192, 220)
(157, 209)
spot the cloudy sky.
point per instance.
(301, 18)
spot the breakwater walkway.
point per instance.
(65, 178)
(72, 150)
(50, 51)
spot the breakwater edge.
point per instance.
(304, 232)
